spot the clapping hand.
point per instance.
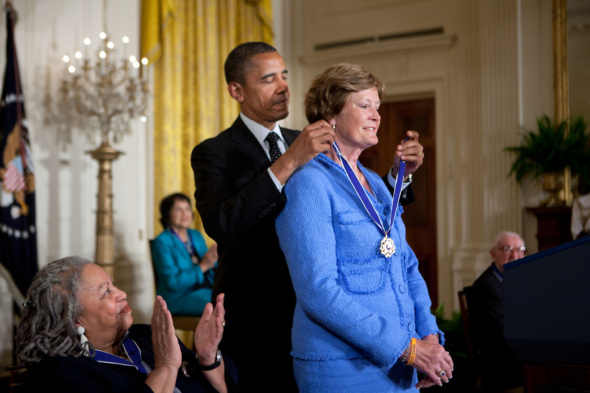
(209, 331)
(166, 348)
(209, 259)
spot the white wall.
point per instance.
(66, 177)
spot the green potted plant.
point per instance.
(551, 150)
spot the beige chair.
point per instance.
(184, 325)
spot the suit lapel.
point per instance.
(289, 135)
(246, 144)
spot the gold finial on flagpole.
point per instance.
(10, 8)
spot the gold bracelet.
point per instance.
(412, 353)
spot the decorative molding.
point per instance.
(576, 29)
(343, 7)
(382, 48)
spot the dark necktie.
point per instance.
(275, 153)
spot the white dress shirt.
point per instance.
(260, 133)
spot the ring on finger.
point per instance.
(420, 153)
(442, 373)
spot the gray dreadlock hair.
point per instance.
(47, 327)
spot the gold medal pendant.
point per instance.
(387, 247)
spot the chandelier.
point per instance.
(104, 93)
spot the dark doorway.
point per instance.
(420, 216)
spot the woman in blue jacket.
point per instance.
(362, 321)
(184, 266)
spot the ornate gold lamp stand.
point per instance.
(105, 243)
(105, 95)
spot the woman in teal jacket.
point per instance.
(184, 266)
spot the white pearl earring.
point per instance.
(83, 339)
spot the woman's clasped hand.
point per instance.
(433, 361)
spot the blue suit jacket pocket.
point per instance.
(353, 217)
(363, 277)
(357, 236)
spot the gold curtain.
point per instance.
(186, 42)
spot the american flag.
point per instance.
(13, 178)
(18, 237)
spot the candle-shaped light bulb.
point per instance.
(86, 44)
(66, 60)
(110, 45)
(132, 59)
(102, 54)
(78, 56)
(102, 35)
(125, 41)
(144, 62)
(136, 64)
(71, 69)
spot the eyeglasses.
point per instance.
(509, 249)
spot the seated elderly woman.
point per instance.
(76, 335)
(184, 266)
(362, 321)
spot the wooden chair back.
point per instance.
(471, 350)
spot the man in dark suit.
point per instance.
(239, 176)
(499, 366)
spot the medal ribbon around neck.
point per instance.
(387, 247)
(193, 250)
(133, 352)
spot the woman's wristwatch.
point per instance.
(215, 364)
